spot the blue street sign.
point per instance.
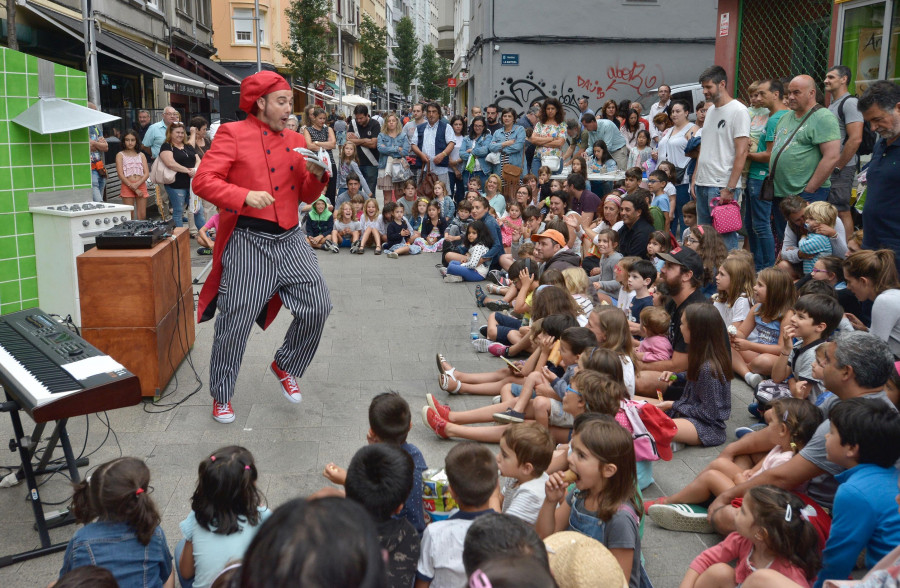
(509, 59)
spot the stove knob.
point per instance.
(115, 220)
(123, 218)
(106, 221)
(85, 223)
(98, 222)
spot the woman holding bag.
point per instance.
(393, 147)
(181, 158)
(474, 150)
(549, 136)
(319, 135)
(509, 142)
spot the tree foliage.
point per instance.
(309, 46)
(433, 73)
(373, 48)
(406, 56)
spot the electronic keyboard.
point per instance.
(54, 374)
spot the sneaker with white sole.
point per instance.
(392, 254)
(688, 518)
(753, 380)
(451, 279)
(481, 345)
(497, 399)
(288, 384)
(223, 413)
(509, 416)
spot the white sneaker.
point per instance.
(451, 279)
(753, 380)
(392, 254)
(481, 345)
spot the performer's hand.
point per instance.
(314, 169)
(335, 474)
(258, 199)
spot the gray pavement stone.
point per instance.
(390, 317)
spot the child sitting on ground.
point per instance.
(346, 229)
(456, 228)
(689, 214)
(389, 423)
(814, 245)
(814, 319)
(371, 225)
(790, 425)
(775, 536)
(380, 477)
(572, 343)
(399, 235)
(654, 329)
(525, 453)
(865, 439)
(226, 512)
(121, 526)
(640, 278)
(442, 197)
(408, 202)
(510, 224)
(319, 226)
(472, 473)
(658, 243)
(577, 285)
(357, 203)
(432, 228)
(204, 238)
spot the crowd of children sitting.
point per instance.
(618, 350)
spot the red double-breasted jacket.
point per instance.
(246, 156)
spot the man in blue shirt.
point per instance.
(156, 133)
(606, 130)
(880, 107)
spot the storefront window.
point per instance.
(865, 24)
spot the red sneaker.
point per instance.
(223, 413)
(434, 421)
(442, 409)
(288, 384)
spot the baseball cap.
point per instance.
(686, 257)
(556, 236)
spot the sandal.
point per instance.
(378, 250)
(445, 381)
(479, 296)
(495, 289)
(440, 364)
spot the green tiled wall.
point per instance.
(30, 162)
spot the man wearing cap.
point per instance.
(682, 273)
(550, 249)
(261, 258)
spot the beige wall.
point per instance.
(276, 28)
(375, 9)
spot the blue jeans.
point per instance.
(185, 582)
(682, 197)
(178, 197)
(98, 183)
(705, 195)
(758, 223)
(820, 195)
(470, 275)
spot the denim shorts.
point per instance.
(505, 325)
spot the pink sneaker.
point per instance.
(223, 413)
(288, 384)
(498, 349)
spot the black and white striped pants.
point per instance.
(255, 266)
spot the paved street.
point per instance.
(389, 319)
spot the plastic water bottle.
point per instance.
(474, 328)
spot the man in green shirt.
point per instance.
(804, 167)
(762, 243)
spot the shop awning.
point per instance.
(214, 67)
(332, 85)
(175, 78)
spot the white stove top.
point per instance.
(81, 209)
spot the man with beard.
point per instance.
(637, 226)
(261, 257)
(682, 274)
(492, 113)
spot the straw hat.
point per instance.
(577, 561)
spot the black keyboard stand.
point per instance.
(26, 450)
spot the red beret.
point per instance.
(258, 85)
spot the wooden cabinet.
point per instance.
(137, 305)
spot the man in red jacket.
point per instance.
(261, 259)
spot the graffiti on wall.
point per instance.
(619, 82)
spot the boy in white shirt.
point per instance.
(525, 453)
